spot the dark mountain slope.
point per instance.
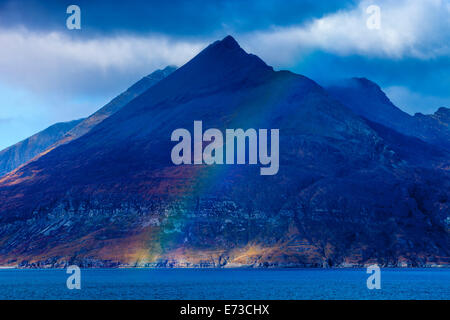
(118, 102)
(342, 194)
(411, 149)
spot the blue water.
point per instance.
(225, 284)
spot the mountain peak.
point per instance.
(221, 64)
(227, 42)
(443, 111)
(229, 54)
(443, 114)
(365, 83)
(360, 85)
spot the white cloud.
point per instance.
(409, 28)
(56, 62)
(51, 77)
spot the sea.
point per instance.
(225, 284)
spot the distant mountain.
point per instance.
(367, 99)
(60, 133)
(442, 116)
(118, 102)
(348, 192)
(437, 125)
(16, 155)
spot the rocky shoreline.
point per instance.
(172, 264)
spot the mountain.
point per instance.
(437, 123)
(366, 98)
(347, 193)
(117, 103)
(16, 155)
(441, 116)
(60, 133)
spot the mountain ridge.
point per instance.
(76, 129)
(367, 99)
(25, 150)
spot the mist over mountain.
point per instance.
(367, 99)
(350, 190)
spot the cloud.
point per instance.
(103, 65)
(409, 28)
(53, 61)
(47, 77)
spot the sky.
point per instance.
(49, 73)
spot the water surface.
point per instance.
(225, 284)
